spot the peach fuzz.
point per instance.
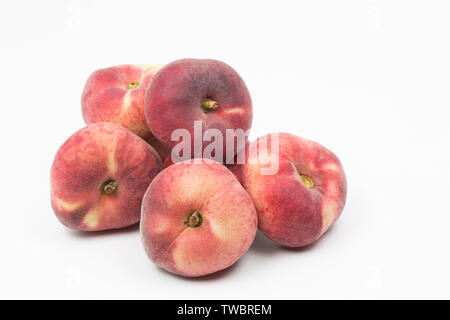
(162, 151)
(204, 90)
(116, 94)
(99, 176)
(298, 203)
(196, 218)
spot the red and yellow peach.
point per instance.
(196, 218)
(304, 197)
(207, 91)
(116, 94)
(99, 176)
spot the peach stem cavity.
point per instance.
(133, 85)
(307, 181)
(109, 186)
(209, 105)
(194, 220)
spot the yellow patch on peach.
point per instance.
(328, 214)
(91, 218)
(194, 194)
(227, 231)
(66, 205)
(112, 166)
(111, 161)
(146, 68)
(181, 259)
(330, 166)
(235, 111)
(162, 225)
(218, 230)
(126, 102)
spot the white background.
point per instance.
(368, 79)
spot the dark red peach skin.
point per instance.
(162, 151)
(176, 93)
(304, 198)
(96, 154)
(228, 224)
(116, 94)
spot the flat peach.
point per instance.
(205, 91)
(116, 94)
(99, 176)
(300, 200)
(196, 218)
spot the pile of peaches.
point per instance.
(197, 215)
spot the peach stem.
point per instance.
(133, 85)
(307, 181)
(194, 220)
(109, 186)
(209, 105)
